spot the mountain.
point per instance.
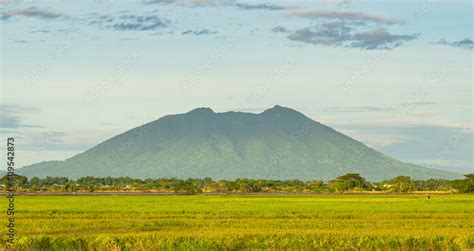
(279, 143)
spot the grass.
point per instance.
(408, 222)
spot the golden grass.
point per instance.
(407, 222)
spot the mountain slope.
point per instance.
(279, 143)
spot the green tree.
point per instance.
(349, 182)
(187, 187)
(400, 183)
(19, 181)
(465, 185)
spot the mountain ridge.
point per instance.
(278, 143)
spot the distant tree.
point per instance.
(316, 186)
(89, 183)
(249, 186)
(400, 183)
(71, 186)
(187, 187)
(465, 185)
(294, 185)
(433, 185)
(19, 181)
(34, 183)
(469, 176)
(230, 185)
(349, 182)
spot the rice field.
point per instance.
(349, 222)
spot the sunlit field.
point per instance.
(241, 222)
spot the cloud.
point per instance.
(279, 29)
(434, 144)
(184, 2)
(158, 1)
(41, 31)
(135, 22)
(130, 22)
(11, 116)
(396, 107)
(358, 109)
(246, 6)
(349, 29)
(465, 43)
(340, 33)
(31, 12)
(345, 15)
(419, 103)
(70, 140)
(199, 32)
(327, 34)
(379, 38)
(414, 142)
(339, 1)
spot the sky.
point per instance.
(395, 75)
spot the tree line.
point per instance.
(351, 182)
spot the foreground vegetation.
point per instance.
(344, 183)
(388, 222)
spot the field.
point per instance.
(242, 222)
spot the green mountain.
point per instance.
(279, 143)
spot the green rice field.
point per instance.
(230, 222)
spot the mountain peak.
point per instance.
(205, 110)
(278, 109)
(281, 111)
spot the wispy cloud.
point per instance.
(20, 41)
(339, 1)
(349, 29)
(12, 116)
(346, 15)
(326, 34)
(437, 145)
(198, 32)
(158, 1)
(465, 43)
(413, 142)
(69, 140)
(226, 3)
(31, 12)
(352, 109)
(343, 35)
(185, 2)
(41, 31)
(130, 22)
(246, 6)
(358, 109)
(379, 38)
(279, 29)
(419, 103)
(8, 1)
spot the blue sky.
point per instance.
(396, 75)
